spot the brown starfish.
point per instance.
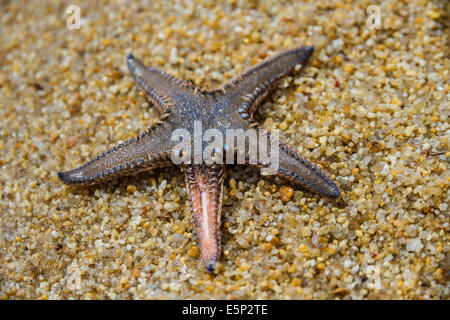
(181, 104)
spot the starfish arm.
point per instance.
(148, 150)
(299, 170)
(161, 89)
(247, 91)
(205, 188)
(296, 168)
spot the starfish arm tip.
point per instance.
(70, 177)
(210, 267)
(335, 193)
(61, 176)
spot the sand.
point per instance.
(371, 107)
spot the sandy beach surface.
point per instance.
(371, 107)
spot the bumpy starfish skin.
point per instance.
(229, 107)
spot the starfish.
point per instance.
(181, 104)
